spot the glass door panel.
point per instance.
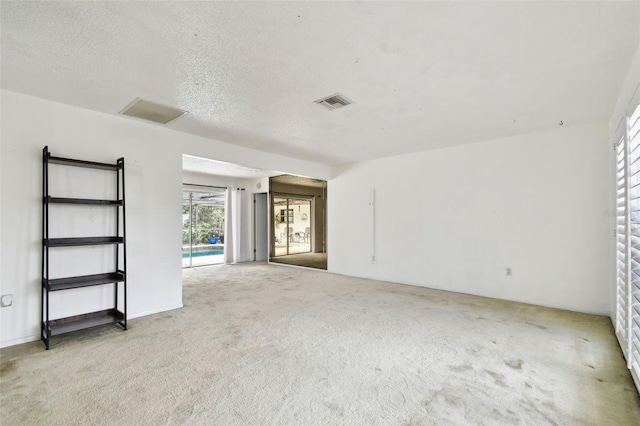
(203, 228)
(292, 225)
(281, 226)
(186, 229)
(300, 225)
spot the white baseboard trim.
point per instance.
(36, 337)
(19, 340)
(155, 311)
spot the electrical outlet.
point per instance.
(6, 300)
(509, 272)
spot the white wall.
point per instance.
(208, 179)
(456, 218)
(627, 100)
(153, 156)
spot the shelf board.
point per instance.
(84, 241)
(83, 281)
(82, 163)
(80, 322)
(85, 201)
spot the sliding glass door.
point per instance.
(292, 225)
(202, 227)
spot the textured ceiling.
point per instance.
(422, 75)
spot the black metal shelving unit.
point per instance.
(117, 278)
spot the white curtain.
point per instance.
(232, 227)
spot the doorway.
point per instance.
(298, 221)
(203, 227)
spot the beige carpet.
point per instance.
(262, 344)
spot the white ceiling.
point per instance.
(422, 74)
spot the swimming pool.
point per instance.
(203, 253)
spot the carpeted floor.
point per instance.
(262, 344)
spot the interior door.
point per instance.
(261, 227)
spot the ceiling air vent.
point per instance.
(151, 111)
(334, 101)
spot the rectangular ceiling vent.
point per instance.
(334, 101)
(151, 111)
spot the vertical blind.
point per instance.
(622, 250)
(633, 136)
(628, 243)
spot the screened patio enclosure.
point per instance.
(203, 227)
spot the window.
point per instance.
(622, 246)
(286, 216)
(633, 137)
(628, 242)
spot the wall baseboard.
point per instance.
(156, 311)
(561, 307)
(36, 337)
(19, 341)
